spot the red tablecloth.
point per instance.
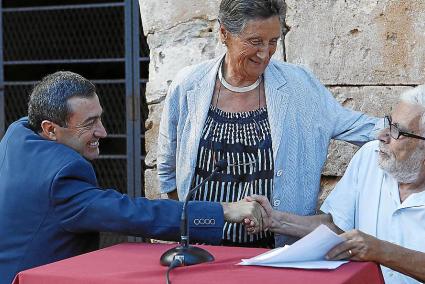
(139, 263)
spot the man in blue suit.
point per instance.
(51, 207)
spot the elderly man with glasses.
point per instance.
(379, 204)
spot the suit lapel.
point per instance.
(277, 99)
(198, 101)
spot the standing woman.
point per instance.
(271, 121)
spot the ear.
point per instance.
(223, 34)
(48, 130)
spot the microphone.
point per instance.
(185, 253)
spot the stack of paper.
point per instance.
(308, 252)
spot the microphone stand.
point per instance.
(185, 253)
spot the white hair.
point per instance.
(416, 96)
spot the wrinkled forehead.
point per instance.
(408, 116)
(270, 26)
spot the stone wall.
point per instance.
(365, 51)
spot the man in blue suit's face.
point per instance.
(83, 128)
(65, 108)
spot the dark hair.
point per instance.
(49, 98)
(234, 14)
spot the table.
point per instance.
(139, 263)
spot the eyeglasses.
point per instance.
(395, 132)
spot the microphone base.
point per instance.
(190, 255)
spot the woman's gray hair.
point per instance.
(234, 14)
(416, 96)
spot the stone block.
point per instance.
(160, 15)
(364, 42)
(280, 53)
(376, 101)
(339, 156)
(151, 184)
(173, 49)
(327, 184)
(151, 133)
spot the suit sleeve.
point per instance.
(167, 145)
(81, 206)
(167, 140)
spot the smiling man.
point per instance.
(379, 204)
(50, 205)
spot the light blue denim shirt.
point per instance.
(303, 116)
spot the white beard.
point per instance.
(403, 171)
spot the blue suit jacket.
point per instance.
(51, 207)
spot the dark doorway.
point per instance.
(99, 39)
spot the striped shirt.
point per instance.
(243, 139)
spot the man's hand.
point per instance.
(358, 246)
(237, 212)
(268, 210)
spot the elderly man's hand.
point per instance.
(267, 214)
(358, 246)
(237, 212)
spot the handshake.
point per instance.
(255, 212)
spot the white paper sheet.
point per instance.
(308, 252)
